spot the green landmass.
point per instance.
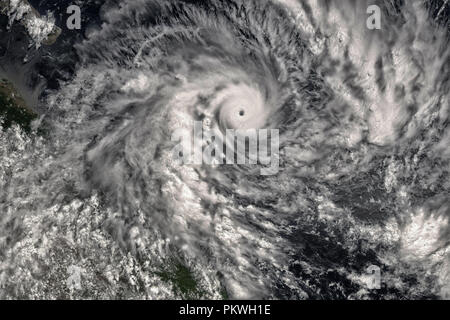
(5, 5)
(13, 109)
(183, 280)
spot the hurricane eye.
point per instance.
(242, 113)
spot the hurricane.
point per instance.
(364, 158)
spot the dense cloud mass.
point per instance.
(364, 153)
